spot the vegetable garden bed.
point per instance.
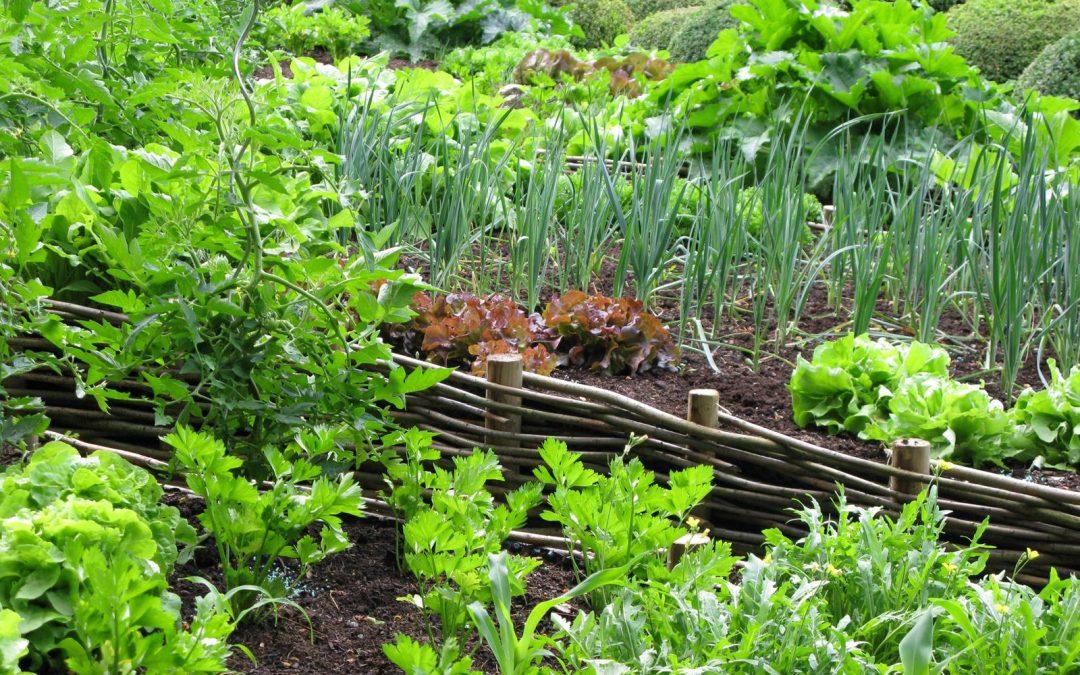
(760, 474)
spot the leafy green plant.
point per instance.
(1048, 421)
(814, 62)
(862, 592)
(961, 421)
(448, 537)
(300, 29)
(56, 472)
(418, 658)
(255, 530)
(848, 382)
(461, 327)
(518, 654)
(621, 519)
(13, 646)
(125, 621)
(84, 538)
(877, 570)
(614, 335)
(1000, 625)
(451, 523)
(417, 28)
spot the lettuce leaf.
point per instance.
(961, 421)
(848, 383)
(1048, 421)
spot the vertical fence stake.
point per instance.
(504, 369)
(703, 407)
(910, 454)
(828, 215)
(685, 543)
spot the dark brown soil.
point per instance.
(399, 64)
(352, 602)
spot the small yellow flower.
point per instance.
(833, 570)
(950, 567)
(1002, 609)
(767, 559)
(945, 465)
(1032, 554)
(693, 522)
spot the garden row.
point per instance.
(92, 546)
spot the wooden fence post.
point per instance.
(703, 407)
(504, 369)
(910, 454)
(683, 544)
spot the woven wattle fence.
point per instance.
(759, 474)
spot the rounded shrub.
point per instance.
(943, 5)
(601, 21)
(644, 8)
(1056, 70)
(700, 30)
(656, 31)
(1001, 37)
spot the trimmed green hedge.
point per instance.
(645, 8)
(1056, 70)
(1001, 37)
(700, 30)
(601, 20)
(656, 31)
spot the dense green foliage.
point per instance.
(418, 28)
(647, 8)
(1056, 70)
(85, 549)
(884, 391)
(601, 21)
(657, 30)
(1001, 37)
(255, 527)
(792, 62)
(298, 30)
(865, 591)
(452, 524)
(241, 244)
(691, 43)
(847, 384)
(621, 518)
(862, 593)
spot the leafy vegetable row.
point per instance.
(883, 390)
(861, 593)
(613, 335)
